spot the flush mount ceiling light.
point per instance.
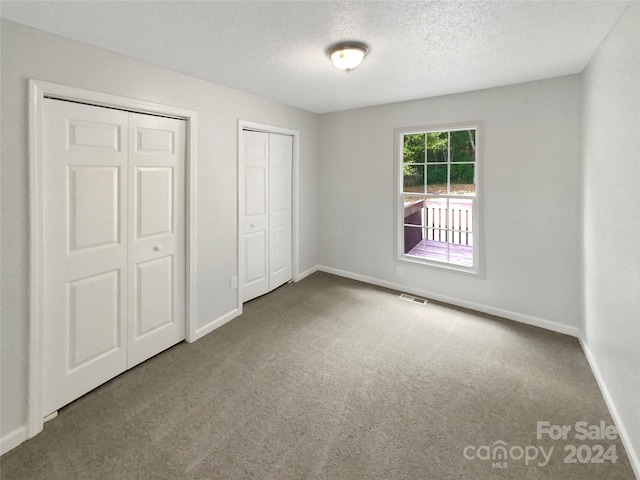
(348, 55)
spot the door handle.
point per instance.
(157, 248)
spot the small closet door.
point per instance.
(265, 206)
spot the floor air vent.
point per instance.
(411, 298)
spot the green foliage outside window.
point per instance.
(461, 149)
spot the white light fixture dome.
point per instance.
(348, 55)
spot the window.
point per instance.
(438, 171)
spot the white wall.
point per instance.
(29, 53)
(531, 198)
(611, 196)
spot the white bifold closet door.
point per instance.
(114, 244)
(265, 211)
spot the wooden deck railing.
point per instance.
(412, 216)
(434, 218)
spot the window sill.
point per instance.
(474, 271)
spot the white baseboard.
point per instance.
(499, 312)
(305, 274)
(13, 439)
(217, 323)
(622, 431)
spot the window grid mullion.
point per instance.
(448, 171)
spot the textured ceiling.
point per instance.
(275, 49)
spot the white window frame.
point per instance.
(477, 268)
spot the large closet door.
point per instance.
(113, 255)
(265, 207)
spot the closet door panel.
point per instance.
(156, 235)
(254, 213)
(280, 166)
(84, 155)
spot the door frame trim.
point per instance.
(37, 91)
(295, 234)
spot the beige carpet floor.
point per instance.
(333, 379)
